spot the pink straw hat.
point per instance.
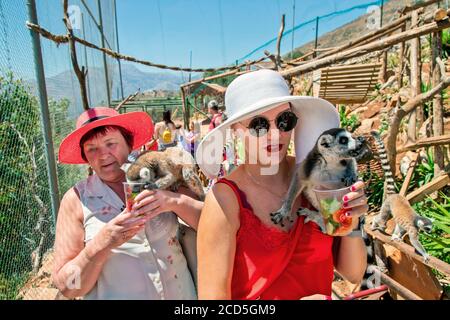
(140, 124)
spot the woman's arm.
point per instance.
(187, 206)
(77, 266)
(351, 258)
(156, 132)
(216, 243)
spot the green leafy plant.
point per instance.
(375, 189)
(423, 173)
(384, 125)
(349, 123)
(438, 242)
(446, 42)
(24, 191)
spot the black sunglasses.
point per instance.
(285, 122)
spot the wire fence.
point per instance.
(26, 220)
(358, 19)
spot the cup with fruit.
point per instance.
(336, 220)
(132, 189)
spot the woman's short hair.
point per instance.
(103, 130)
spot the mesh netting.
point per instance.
(27, 222)
(365, 17)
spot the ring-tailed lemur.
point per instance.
(166, 169)
(332, 160)
(406, 219)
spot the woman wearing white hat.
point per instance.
(241, 253)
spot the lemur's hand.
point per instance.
(356, 200)
(150, 186)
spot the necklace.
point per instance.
(255, 181)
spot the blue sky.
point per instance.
(165, 31)
(218, 31)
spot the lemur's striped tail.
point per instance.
(389, 177)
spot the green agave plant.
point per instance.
(438, 242)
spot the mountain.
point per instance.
(65, 84)
(133, 79)
(354, 29)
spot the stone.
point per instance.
(372, 109)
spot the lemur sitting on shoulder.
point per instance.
(332, 163)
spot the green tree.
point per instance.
(26, 223)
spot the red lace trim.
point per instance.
(251, 226)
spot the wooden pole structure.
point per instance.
(80, 73)
(438, 117)
(105, 63)
(183, 102)
(384, 55)
(364, 49)
(127, 99)
(426, 142)
(408, 250)
(418, 5)
(387, 29)
(217, 76)
(415, 79)
(401, 56)
(280, 35)
(408, 108)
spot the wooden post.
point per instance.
(384, 55)
(185, 107)
(280, 35)
(401, 56)
(404, 110)
(365, 49)
(438, 118)
(80, 73)
(409, 175)
(317, 37)
(415, 79)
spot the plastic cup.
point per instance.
(335, 219)
(132, 189)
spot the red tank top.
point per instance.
(271, 264)
(212, 124)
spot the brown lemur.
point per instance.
(395, 205)
(167, 169)
(332, 163)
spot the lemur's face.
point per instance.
(363, 152)
(338, 143)
(424, 224)
(135, 173)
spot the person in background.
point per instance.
(213, 109)
(191, 138)
(166, 132)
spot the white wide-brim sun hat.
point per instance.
(257, 92)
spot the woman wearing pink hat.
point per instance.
(103, 251)
(241, 253)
